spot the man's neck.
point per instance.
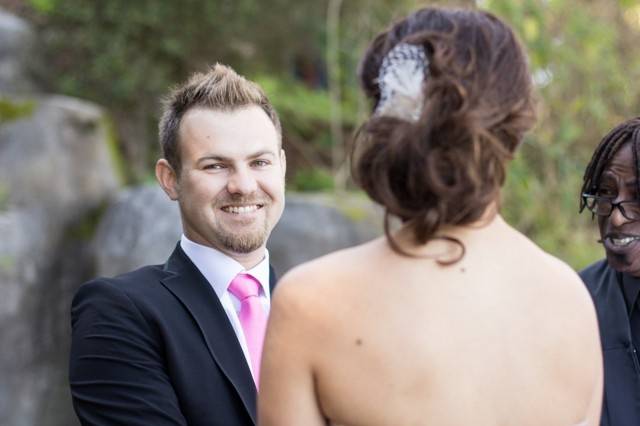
(248, 260)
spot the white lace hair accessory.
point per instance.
(400, 80)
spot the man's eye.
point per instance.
(214, 166)
(260, 163)
(606, 192)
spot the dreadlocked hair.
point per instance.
(628, 131)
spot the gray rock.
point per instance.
(143, 226)
(16, 43)
(55, 169)
(58, 157)
(140, 228)
(313, 225)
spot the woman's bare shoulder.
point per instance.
(555, 270)
(326, 269)
(556, 281)
(324, 278)
(311, 302)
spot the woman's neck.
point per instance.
(447, 240)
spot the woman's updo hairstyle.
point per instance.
(445, 165)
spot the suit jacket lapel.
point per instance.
(199, 298)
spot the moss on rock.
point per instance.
(11, 110)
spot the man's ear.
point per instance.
(167, 178)
(283, 161)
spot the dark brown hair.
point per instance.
(446, 168)
(628, 131)
(221, 88)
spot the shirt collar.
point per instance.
(219, 269)
(631, 289)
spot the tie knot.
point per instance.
(243, 286)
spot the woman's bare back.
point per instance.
(506, 336)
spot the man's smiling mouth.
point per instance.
(621, 240)
(242, 209)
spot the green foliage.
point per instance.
(584, 65)
(304, 107)
(120, 38)
(357, 207)
(112, 145)
(43, 6)
(312, 180)
(4, 198)
(305, 114)
(13, 110)
(86, 227)
(7, 264)
(125, 55)
(550, 215)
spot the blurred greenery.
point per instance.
(11, 110)
(313, 180)
(112, 145)
(85, 229)
(4, 198)
(124, 55)
(7, 264)
(585, 60)
(303, 107)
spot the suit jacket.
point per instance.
(621, 405)
(155, 347)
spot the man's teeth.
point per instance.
(622, 241)
(241, 209)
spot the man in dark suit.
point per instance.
(180, 343)
(611, 191)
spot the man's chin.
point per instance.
(244, 249)
(243, 244)
(625, 262)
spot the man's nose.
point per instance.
(242, 181)
(617, 218)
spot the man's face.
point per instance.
(231, 186)
(620, 236)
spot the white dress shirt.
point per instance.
(219, 269)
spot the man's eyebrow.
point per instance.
(262, 153)
(213, 158)
(228, 159)
(630, 184)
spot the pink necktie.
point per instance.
(252, 317)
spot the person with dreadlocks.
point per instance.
(455, 318)
(611, 191)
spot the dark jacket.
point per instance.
(621, 405)
(155, 347)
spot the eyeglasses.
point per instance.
(603, 206)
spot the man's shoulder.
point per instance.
(595, 270)
(596, 275)
(137, 282)
(139, 293)
(142, 273)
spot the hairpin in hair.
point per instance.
(400, 80)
